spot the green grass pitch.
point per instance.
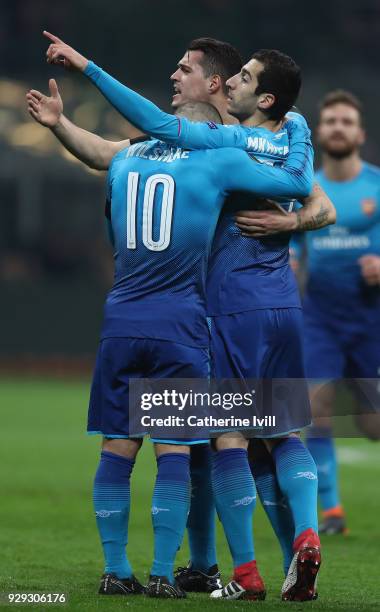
(48, 540)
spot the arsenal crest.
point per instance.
(368, 206)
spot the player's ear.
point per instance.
(215, 83)
(265, 101)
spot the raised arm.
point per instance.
(155, 122)
(152, 121)
(142, 113)
(92, 150)
(170, 128)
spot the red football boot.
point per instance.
(300, 583)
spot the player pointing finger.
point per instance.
(52, 37)
(60, 53)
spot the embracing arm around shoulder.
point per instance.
(317, 211)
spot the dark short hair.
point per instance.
(219, 58)
(199, 111)
(281, 77)
(341, 96)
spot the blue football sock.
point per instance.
(323, 451)
(201, 521)
(275, 506)
(297, 479)
(235, 500)
(111, 503)
(170, 508)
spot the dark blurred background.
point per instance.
(55, 264)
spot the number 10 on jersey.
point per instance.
(167, 204)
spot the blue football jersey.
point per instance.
(245, 273)
(164, 205)
(334, 274)
(248, 273)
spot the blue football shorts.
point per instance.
(266, 345)
(344, 348)
(120, 359)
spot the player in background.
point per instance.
(300, 583)
(342, 295)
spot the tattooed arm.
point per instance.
(317, 211)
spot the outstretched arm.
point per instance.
(94, 151)
(317, 211)
(155, 122)
(147, 116)
(170, 128)
(142, 113)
